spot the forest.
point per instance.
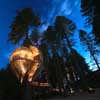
(65, 67)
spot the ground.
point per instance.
(81, 96)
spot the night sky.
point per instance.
(47, 10)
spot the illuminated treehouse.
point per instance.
(25, 62)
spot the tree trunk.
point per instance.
(75, 63)
(26, 90)
(92, 54)
(95, 60)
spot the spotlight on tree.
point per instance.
(25, 62)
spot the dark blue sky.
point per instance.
(47, 9)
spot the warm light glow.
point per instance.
(38, 84)
(26, 62)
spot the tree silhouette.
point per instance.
(53, 62)
(23, 21)
(90, 44)
(65, 28)
(9, 85)
(82, 63)
(75, 79)
(91, 10)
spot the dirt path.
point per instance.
(82, 96)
